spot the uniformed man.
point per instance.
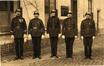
(53, 29)
(18, 29)
(69, 32)
(37, 30)
(88, 31)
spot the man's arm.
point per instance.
(94, 28)
(25, 26)
(59, 26)
(42, 28)
(30, 27)
(82, 28)
(48, 24)
(12, 26)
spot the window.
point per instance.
(5, 5)
(64, 10)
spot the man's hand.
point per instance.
(12, 36)
(82, 37)
(25, 36)
(63, 36)
(59, 35)
(43, 36)
(76, 37)
(93, 37)
(29, 37)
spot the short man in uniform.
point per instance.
(88, 31)
(37, 30)
(18, 29)
(69, 32)
(53, 29)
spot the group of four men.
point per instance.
(37, 31)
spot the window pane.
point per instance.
(64, 10)
(3, 6)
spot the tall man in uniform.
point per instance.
(88, 31)
(53, 29)
(37, 30)
(18, 29)
(69, 32)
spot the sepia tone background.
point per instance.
(78, 8)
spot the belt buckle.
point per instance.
(34, 27)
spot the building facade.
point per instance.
(78, 7)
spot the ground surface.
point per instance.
(78, 60)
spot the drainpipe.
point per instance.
(98, 11)
(19, 5)
(90, 7)
(9, 14)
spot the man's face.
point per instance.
(36, 15)
(69, 15)
(88, 16)
(53, 14)
(18, 14)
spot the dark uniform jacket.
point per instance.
(18, 26)
(69, 28)
(53, 26)
(36, 27)
(88, 28)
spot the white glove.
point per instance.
(43, 36)
(25, 39)
(63, 36)
(29, 37)
(25, 36)
(76, 36)
(82, 37)
(59, 35)
(93, 37)
(12, 36)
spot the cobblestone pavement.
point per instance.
(78, 60)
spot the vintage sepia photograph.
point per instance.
(51, 32)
